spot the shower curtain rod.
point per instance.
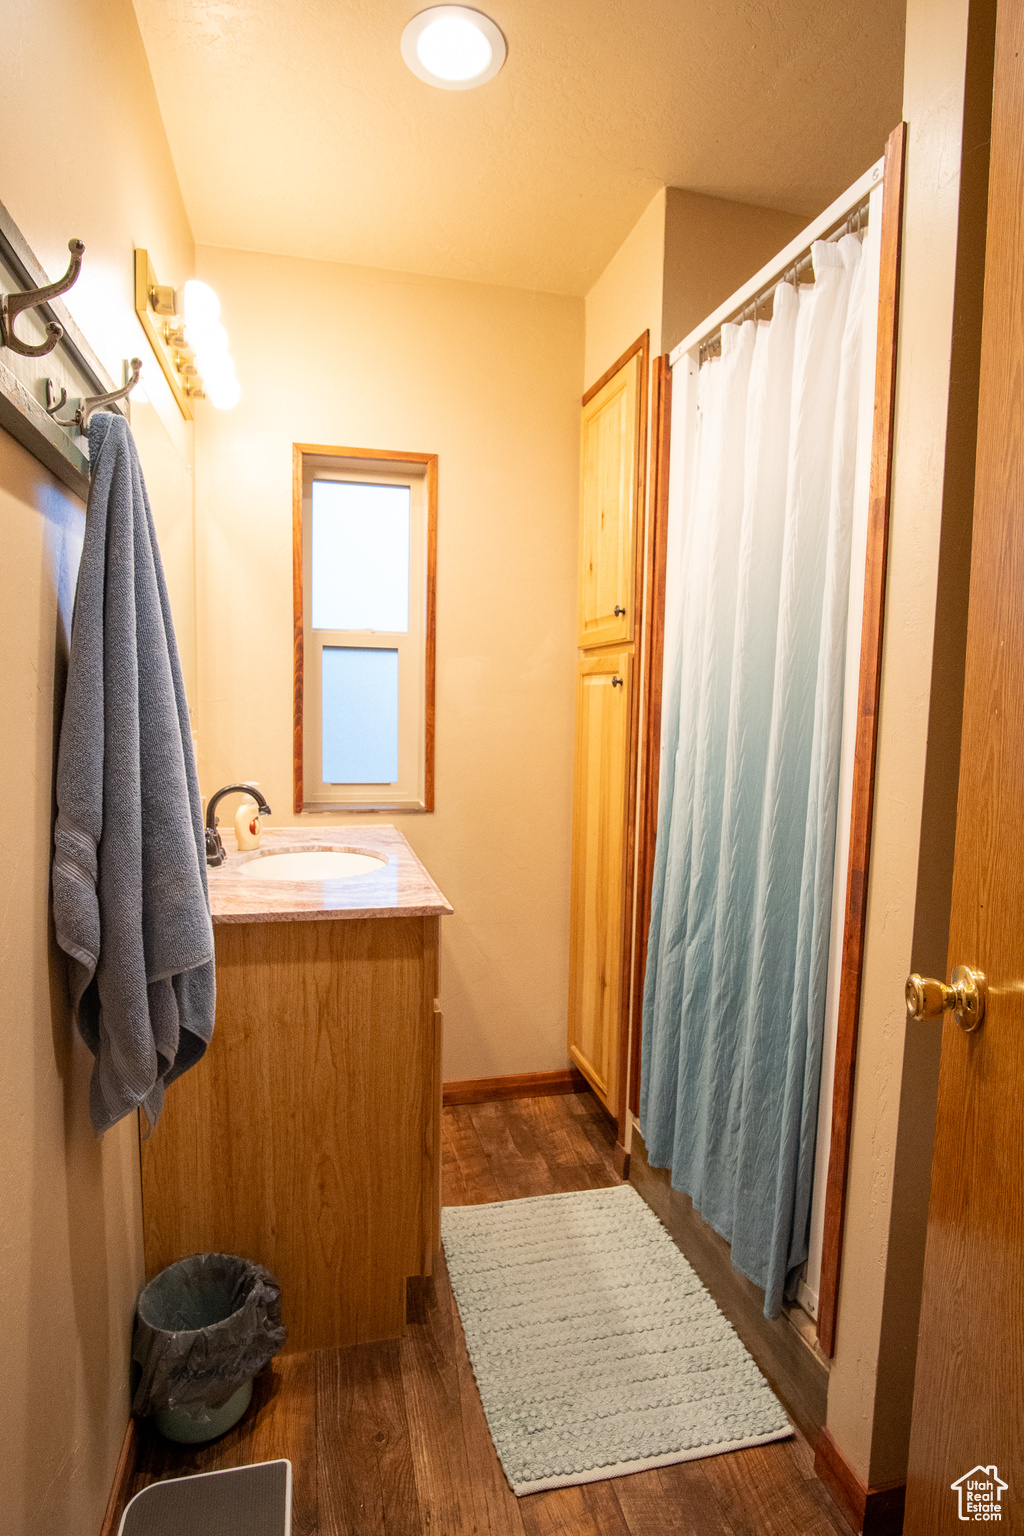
(855, 222)
(794, 258)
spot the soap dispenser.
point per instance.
(247, 827)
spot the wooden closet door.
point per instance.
(596, 995)
(610, 475)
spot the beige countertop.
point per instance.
(401, 888)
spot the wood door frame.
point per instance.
(300, 452)
(619, 1109)
(865, 750)
(869, 688)
(640, 348)
(649, 711)
(642, 345)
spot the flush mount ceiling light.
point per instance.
(453, 47)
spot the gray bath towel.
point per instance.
(129, 868)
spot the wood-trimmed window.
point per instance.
(364, 538)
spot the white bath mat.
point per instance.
(596, 1349)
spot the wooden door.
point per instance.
(969, 1391)
(599, 838)
(611, 476)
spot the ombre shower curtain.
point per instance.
(734, 992)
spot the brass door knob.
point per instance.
(930, 999)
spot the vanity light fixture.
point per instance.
(207, 340)
(191, 345)
(453, 47)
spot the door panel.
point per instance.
(610, 451)
(969, 1390)
(603, 703)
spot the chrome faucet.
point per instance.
(214, 847)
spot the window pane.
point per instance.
(360, 556)
(360, 715)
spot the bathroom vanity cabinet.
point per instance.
(308, 1137)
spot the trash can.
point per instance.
(203, 1328)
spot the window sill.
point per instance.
(390, 809)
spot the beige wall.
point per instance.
(70, 1239)
(626, 299)
(489, 379)
(948, 44)
(684, 256)
(712, 247)
(82, 153)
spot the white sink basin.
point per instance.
(311, 864)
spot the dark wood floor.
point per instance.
(391, 1438)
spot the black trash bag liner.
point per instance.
(203, 1327)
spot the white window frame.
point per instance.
(414, 788)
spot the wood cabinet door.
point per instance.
(967, 1436)
(596, 988)
(610, 478)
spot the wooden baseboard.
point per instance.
(123, 1474)
(797, 1376)
(527, 1085)
(875, 1511)
(620, 1160)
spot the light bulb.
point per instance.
(208, 338)
(213, 369)
(224, 393)
(201, 304)
(453, 48)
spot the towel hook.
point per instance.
(90, 403)
(12, 304)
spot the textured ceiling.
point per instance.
(296, 128)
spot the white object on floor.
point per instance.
(236, 1501)
(596, 1349)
